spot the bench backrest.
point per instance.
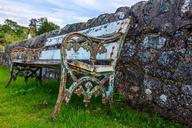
(51, 50)
(106, 30)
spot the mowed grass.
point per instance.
(28, 105)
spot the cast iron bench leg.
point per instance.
(11, 76)
(39, 76)
(108, 94)
(61, 95)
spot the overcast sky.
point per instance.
(61, 12)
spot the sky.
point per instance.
(61, 12)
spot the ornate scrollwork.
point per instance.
(87, 87)
(25, 54)
(92, 44)
(88, 82)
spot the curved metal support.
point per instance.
(86, 86)
(24, 54)
(92, 44)
(27, 72)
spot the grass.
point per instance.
(29, 105)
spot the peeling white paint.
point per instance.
(81, 54)
(101, 30)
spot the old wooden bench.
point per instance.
(89, 57)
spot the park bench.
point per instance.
(88, 57)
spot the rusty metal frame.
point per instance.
(26, 71)
(88, 84)
(24, 55)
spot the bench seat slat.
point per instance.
(50, 63)
(95, 68)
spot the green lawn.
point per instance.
(28, 105)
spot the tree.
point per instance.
(10, 32)
(33, 25)
(46, 26)
(2, 39)
(42, 25)
(10, 22)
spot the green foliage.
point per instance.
(46, 26)
(10, 32)
(28, 105)
(10, 22)
(42, 25)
